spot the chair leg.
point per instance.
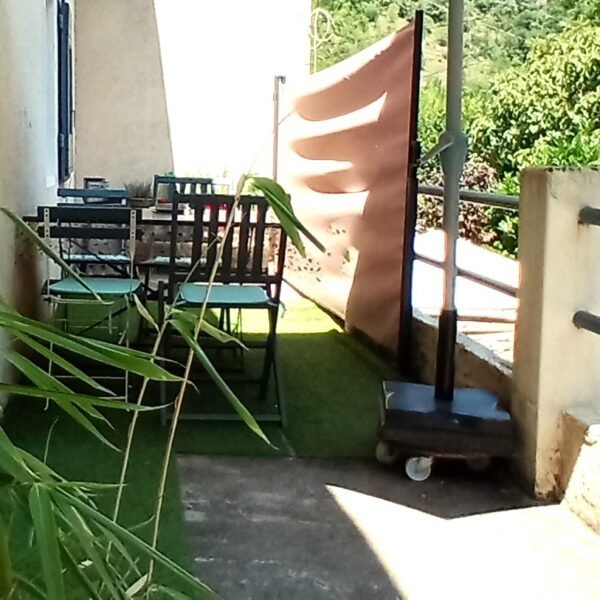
(279, 391)
(147, 279)
(161, 347)
(269, 354)
(50, 363)
(240, 333)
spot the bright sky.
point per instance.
(219, 61)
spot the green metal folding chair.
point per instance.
(99, 243)
(248, 273)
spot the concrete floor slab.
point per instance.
(312, 529)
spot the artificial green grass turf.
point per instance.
(332, 389)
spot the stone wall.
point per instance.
(555, 364)
(476, 365)
(580, 463)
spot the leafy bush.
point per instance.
(582, 149)
(473, 221)
(546, 109)
(139, 189)
(588, 10)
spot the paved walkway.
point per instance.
(266, 529)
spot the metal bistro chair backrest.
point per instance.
(93, 235)
(252, 253)
(182, 185)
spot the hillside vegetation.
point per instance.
(532, 90)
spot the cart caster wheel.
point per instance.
(418, 468)
(479, 464)
(386, 453)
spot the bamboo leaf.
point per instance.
(53, 356)
(135, 542)
(26, 584)
(242, 411)
(78, 573)
(117, 403)
(80, 530)
(42, 472)
(6, 574)
(61, 362)
(68, 402)
(125, 359)
(215, 332)
(137, 586)
(84, 486)
(33, 372)
(46, 532)
(115, 542)
(168, 592)
(144, 313)
(281, 204)
(11, 460)
(45, 380)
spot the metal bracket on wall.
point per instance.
(46, 223)
(132, 231)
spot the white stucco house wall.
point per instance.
(28, 138)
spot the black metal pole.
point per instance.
(410, 221)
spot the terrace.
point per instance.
(312, 514)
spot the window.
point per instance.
(65, 92)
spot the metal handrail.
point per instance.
(499, 200)
(583, 319)
(589, 216)
(507, 202)
(494, 284)
(588, 321)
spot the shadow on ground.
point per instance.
(288, 528)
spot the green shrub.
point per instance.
(473, 221)
(546, 110)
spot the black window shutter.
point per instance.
(65, 92)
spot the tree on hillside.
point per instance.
(497, 33)
(546, 111)
(587, 10)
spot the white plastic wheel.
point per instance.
(479, 464)
(418, 468)
(386, 453)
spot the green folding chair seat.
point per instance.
(229, 296)
(103, 286)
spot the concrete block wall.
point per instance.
(184, 86)
(555, 365)
(121, 122)
(580, 462)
